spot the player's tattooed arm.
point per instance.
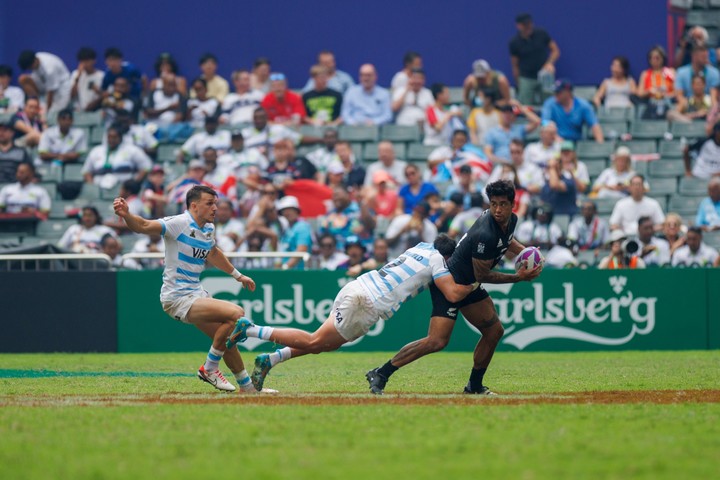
(485, 274)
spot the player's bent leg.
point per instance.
(483, 316)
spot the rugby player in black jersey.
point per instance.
(477, 253)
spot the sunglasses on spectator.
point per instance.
(274, 77)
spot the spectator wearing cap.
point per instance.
(439, 121)
(573, 168)
(296, 238)
(388, 163)
(201, 106)
(283, 107)
(86, 81)
(337, 79)
(708, 214)
(410, 102)
(28, 123)
(384, 198)
(328, 257)
(211, 137)
(323, 104)
(570, 113)
(153, 192)
(217, 87)
(118, 67)
(25, 197)
(238, 107)
(412, 192)
(229, 231)
(462, 222)
(614, 182)
(411, 61)
(485, 82)
(588, 230)
(49, 78)
(12, 98)
(538, 153)
(335, 175)
(87, 234)
(497, 139)
(619, 257)
(628, 210)
(699, 65)
(355, 174)
(560, 189)
(347, 218)
(240, 160)
(367, 103)
(695, 253)
(10, 155)
(533, 53)
(166, 111)
(707, 156)
(63, 143)
(653, 250)
(322, 157)
(407, 230)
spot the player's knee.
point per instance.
(234, 314)
(435, 344)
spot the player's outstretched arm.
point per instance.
(453, 292)
(218, 259)
(485, 274)
(135, 223)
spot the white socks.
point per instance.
(260, 332)
(243, 380)
(280, 355)
(213, 359)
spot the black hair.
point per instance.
(86, 53)
(31, 166)
(165, 58)
(208, 56)
(643, 219)
(476, 199)
(444, 244)
(104, 240)
(266, 61)
(638, 175)
(459, 131)
(94, 210)
(113, 52)
(32, 97)
(501, 188)
(5, 71)
(195, 193)
(116, 128)
(201, 80)
(624, 64)
(659, 49)
(410, 57)
(523, 18)
(457, 198)
(26, 59)
(326, 236)
(437, 89)
(546, 209)
(65, 112)
(131, 186)
(697, 230)
(417, 70)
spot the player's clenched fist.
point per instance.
(121, 207)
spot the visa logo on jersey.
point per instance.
(200, 253)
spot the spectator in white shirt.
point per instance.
(329, 257)
(695, 253)
(407, 230)
(112, 247)
(50, 78)
(337, 79)
(263, 136)
(86, 81)
(410, 102)
(111, 164)
(547, 147)
(628, 210)
(150, 244)
(238, 107)
(62, 143)
(211, 137)
(387, 162)
(240, 160)
(86, 236)
(588, 230)
(166, 66)
(11, 98)
(707, 160)
(25, 197)
(411, 61)
(202, 106)
(166, 110)
(323, 156)
(614, 182)
(439, 122)
(260, 76)
(529, 175)
(133, 134)
(653, 250)
(229, 231)
(116, 99)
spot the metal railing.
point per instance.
(56, 261)
(305, 256)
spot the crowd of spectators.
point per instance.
(284, 189)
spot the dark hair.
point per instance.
(643, 219)
(113, 52)
(458, 132)
(523, 18)
(266, 61)
(116, 128)
(517, 141)
(32, 97)
(201, 80)
(457, 198)
(417, 70)
(437, 89)
(698, 77)
(476, 199)
(208, 56)
(195, 193)
(225, 201)
(638, 175)
(131, 186)
(26, 59)
(98, 218)
(65, 112)
(501, 188)
(165, 58)
(29, 165)
(86, 53)
(5, 71)
(444, 244)
(105, 239)
(624, 64)
(659, 49)
(325, 236)
(697, 230)
(410, 57)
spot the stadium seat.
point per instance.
(688, 130)
(51, 188)
(400, 133)
(693, 187)
(649, 129)
(640, 146)
(456, 95)
(357, 149)
(54, 229)
(614, 114)
(712, 239)
(370, 151)
(703, 18)
(312, 131)
(595, 166)
(613, 129)
(87, 119)
(667, 168)
(96, 135)
(109, 193)
(605, 205)
(89, 191)
(5, 117)
(417, 152)
(671, 149)
(358, 133)
(663, 186)
(586, 92)
(661, 199)
(167, 153)
(73, 172)
(683, 205)
(562, 221)
(591, 149)
(641, 168)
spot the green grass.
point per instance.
(68, 440)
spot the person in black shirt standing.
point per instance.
(532, 52)
(478, 251)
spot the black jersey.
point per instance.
(485, 241)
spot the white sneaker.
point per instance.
(215, 379)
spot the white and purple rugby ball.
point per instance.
(530, 258)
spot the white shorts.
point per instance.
(178, 308)
(354, 311)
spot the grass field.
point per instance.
(566, 415)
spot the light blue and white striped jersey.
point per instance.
(404, 277)
(186, 249)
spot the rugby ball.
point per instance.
(530, 258)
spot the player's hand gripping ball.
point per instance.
(530, 258)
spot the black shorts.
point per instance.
(442, 307)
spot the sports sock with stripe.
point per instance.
(213, 359)
(243, 380)
(260, 332)
(280, 355)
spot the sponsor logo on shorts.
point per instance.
(338, 316)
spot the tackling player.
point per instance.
(359, 305)
(189, 244)
(477, 253)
